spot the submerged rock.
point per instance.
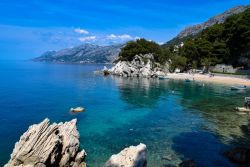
(49, 145)
(133, 156)
(187, 163)
(239, 155)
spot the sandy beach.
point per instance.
(229, 80)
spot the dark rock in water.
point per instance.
(106, 72)
(239, 155)
(49, 145)
(187, 163)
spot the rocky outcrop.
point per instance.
(140, 66)
(133, 156)
(239, 155)
(48, 145)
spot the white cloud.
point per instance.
(119, 37)
(160, 43)
(111, 36)
(89, 38)
(81, 31)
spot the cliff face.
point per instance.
(86, 53)
(48, 145)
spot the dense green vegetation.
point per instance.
(142, 46)
(227, 43)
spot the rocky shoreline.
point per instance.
(140, 66)
(58, 145)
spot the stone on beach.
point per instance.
(49, 145)
(133, 156)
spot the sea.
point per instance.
(177, 120)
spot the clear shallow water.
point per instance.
(190, 122)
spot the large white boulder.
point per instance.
(124, 68)
(133, 156)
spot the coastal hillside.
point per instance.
(86, 53)
(223, 43)
(191, 31)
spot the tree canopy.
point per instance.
(221, 43)
(142, 46)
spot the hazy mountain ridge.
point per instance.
(89, 53)
(191, 31)
(86, 53)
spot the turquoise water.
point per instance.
(174, 119)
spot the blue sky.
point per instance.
(28, 28)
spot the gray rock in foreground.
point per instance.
(49, 145)
(133, 156)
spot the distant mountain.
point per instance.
(191, 31)
(86, 53)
